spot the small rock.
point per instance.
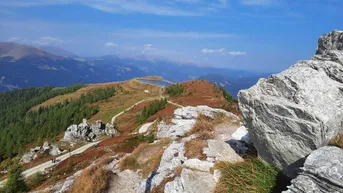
(221, 151)
(191, 182)
(241, 134)
(199, 165)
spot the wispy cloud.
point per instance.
(110, 44)
(115, 6)
(47, 41)
(222, 52)
(257, 2)
(207, 51)
(234, 53)
(144, 33)
(147, 45)
(13, 39)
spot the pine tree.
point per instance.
(15, 180)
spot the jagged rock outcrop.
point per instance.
(86, 131)
(299, 110)
(322, 172)
(185, 118)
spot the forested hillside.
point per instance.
(20, 126)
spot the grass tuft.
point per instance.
(250, 176)
(337, 141)
(92, 180)
(194, 149)
(204, 128)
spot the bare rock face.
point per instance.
(322, 172)
(299, 110)
(191, 181)
(86, 131)
(185, 118)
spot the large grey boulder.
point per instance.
(322, 172)
(83, 131)
(299, 110)
(28, 157)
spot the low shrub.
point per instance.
(175, 90)
(249, 176)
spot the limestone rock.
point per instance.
(61, 188)
(322, 172)
(124, 181)
(28, 157)
(46, 146)
(54, 151)
(241, 134)
(145, 127)
(191, 182)
(292, 113)
(110, 130)
(221, 151)
(84, 131)
(199, 165)
(172, 158)
(185, 118)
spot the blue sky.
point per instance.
(259, 35)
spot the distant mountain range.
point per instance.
(23, 66)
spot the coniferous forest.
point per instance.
(19, 125)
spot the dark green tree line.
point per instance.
(152, 109)
(46, 122)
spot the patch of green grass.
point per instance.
(108, 114)
(249, 176)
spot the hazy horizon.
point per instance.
(258, 35)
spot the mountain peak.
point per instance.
(332, 41)
(18, 51)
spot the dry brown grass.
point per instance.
(146, 157)
(194, 149)
(160, 188)
(92, 180)
(337, 141)
(203, 128)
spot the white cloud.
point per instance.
(147, 45)
(257, 2)
(13, 39)
(114, 6)
(222, 52)
(110, 44)
(234, 53)
(47, 41)
(207, 51)
(146, 33)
